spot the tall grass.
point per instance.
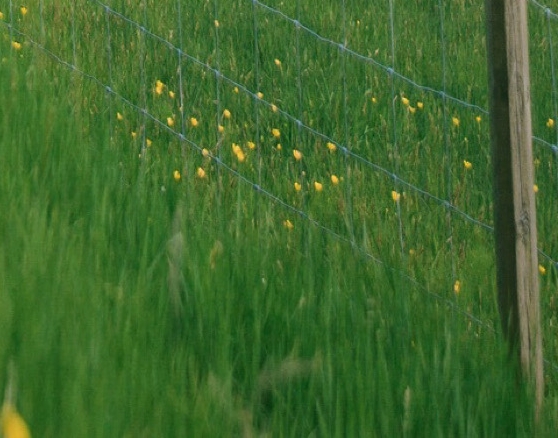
(140, 296)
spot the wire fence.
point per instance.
(338, 90)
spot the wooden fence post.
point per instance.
(514, 199)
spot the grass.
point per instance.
(138, 301)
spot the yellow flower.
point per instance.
(412, 252)
(176, 175)
(220, 128)
(119, 117)
(159, 87)
(457, 287)
(216, 23)
(334, 180)
(455, 121)
(542, 270)
(279, 147)
(374, 100)
(134, 134)
(420, 105)
(318, 186)
(412, 109)
(170, 121)
(251, 145)
(405, 101)
(148, 142)
(16, 45)
(550, 123)
(297, 186)
(288, 224)
(331, 146)
(13, 425)
(468, 165)
(395, 196)
(226, 114)
(240, 156)
(205, 153)
(171, 94)
(1, 15)
(536, 188)
(478, 119)
(235, 89)
(193, 122)
(235, 148)
(297, 154)
(276, 133)
(23, 11)
(200, 173)
(259, 95)
(277, 62)
(273, 108)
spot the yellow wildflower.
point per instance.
(226, 114)
(193, 122)
(420, 105)
(170, 121)
(412, 109)
(259, 95)
(172, 94)
(395, 196)
(119, 117)
(13, 425)
(374, 100)
(274, 108)
(405, 101)
(331, 146)
(251, 145)
(467, 164)
(542, 270)
(279, 147)
(318, 186)
(455, 121)
(16, 45)
(277, 62)
(457, 287)
(23, 11)
(205, 153)
(297, 154)
(478, 119)
(235, 148)
(200, 173)
(297, 186)
(1, 15)
(276, 133)
(220, 128)
(134, 134)
(159, 87)
(216, 23)
(148, 142)
(536, 188)
(240, 156)
(550, 123)
(334, 180)
(288, 224)
(176, 175)
(235, 89)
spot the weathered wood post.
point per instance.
(514, 199)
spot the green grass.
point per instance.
(136, 304)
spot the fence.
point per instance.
(383, 103)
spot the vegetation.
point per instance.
(218, 221)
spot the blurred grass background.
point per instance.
(138, 301)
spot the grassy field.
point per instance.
(182, 256)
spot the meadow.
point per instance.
(235, 218)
